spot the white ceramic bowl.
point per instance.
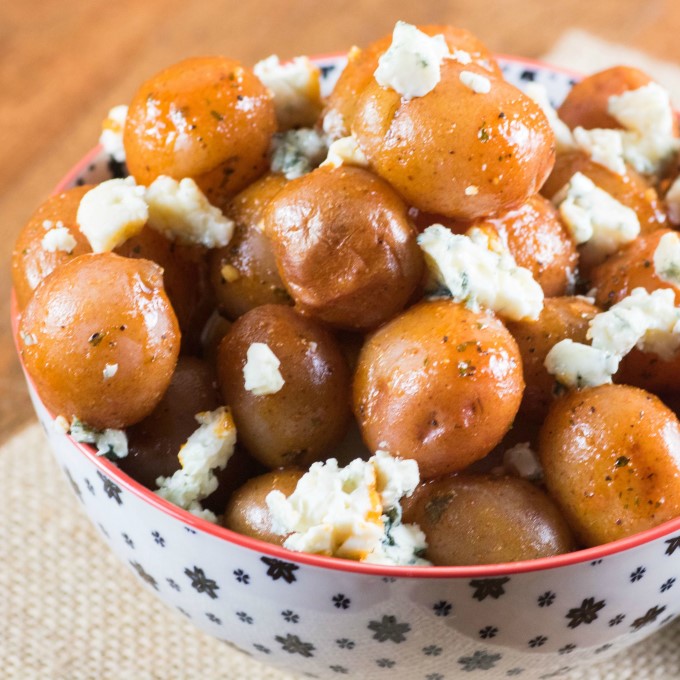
(325, 618)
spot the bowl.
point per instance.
(324, 617)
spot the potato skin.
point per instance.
(247, 512)
(95, 310)
(345, 247)
(482, 519)
(501, 145)
(207, 118)
(30, 262)
(309, 414)
(249, 254)
(561, 318)
(440, 384)
(611, 458)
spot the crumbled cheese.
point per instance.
(411, 65)
(28, 339)
(475, 82)
(351, 512)
(461, 56)
(111, 213)
(61, 425)
(47, 224)
(111, 137)
(604, 147)
(295, 87)
(297, 152)
(522, 461)
(345, 151)
(207, 449)
(333, 125)
(181, 212)
(261, 371)
(594, 216)
(577, 365)
(471, 190)
(563, 136)
(667, 258)
(59, 238)
(479, 275)
(109, 442)
(673, 201)
(110, 370)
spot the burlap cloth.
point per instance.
(69, 611)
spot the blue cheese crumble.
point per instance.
(112, 444)
(477, 83)
(345, 151)
(261, 371)
(563, 135)
(111, 137)
(667, 259)
(297, 152)
(480, 273)
(58, 239)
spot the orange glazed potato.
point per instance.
(100, 340)
(538, 241)
(345, 247)
(31, 262)
(247, 512)
(243, 274)
(207, 118)
(457, 152)
(611, 458)
(561, 318)
(482, 519)
(440, 384)
(298, 423)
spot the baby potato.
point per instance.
(630, 268)
(482, 519)
(243, 274)
(440, 384)
(538, 241)
(498, 153)
(611, 458)
(207, 118)
(31, 262)
(100, 340)
(362, 63)
(561, 318)
(299, 423)
(247, 512)
(345, 247)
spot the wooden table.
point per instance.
(64, 64)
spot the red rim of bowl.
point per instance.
(334, 563)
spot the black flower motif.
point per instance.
(616, 620)
(344, 643)
(341, 602)
(74, 486)
(480, 660)
(389, 629)
(603, 648)
(339, 669)
(567, 649)
(488, 587)
(488, 632)
(673, 545)
(201, 583)
(389, 579)
(293, 645)
(244, 618)
(89, 486)
(189, 530)
(514, 671)
(158, 539)
(651, 616)
(546, 599)
(277, 569)
(262, 648)
(326, 69)
(241, 576)
(129, 541)
(538, 641)
(117, 169)
(143, 575)
(110, 489)
(432, 650)
(637, 574)
(214, 619)
(290, 617)
(442, 608)
(667, 585)
(173, 584)
(595, 563)
(385, 663)
(586, 613)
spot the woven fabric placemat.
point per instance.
(70, 611)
